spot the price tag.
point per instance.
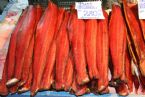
(141, 9)
(89, 10)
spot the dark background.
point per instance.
(60, 3)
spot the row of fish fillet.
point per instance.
(51, 49)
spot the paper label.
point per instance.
(89, 10)
(141, 9)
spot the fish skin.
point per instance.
(62, 53)
(134, 9)
(49, 68)
(117, 41)
(13, 89)
(131, 45)
(136, 36)
(27, 63)
(142, 84)
(90, 47)
(27, 85)
(77, 89)
(136, 83)
(69, 71)
(141, 78)
(23, 39)
(92, 85)
(12, 47)
(76, 28)
(52, 59)
(39, 12)
(29, 53)
(3, 87)
(60, 18)
(103, 52)
(105, 91)
(9, 65)
(142, 23)
(122, 89)
(128, 73)
(44, 36)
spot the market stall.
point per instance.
(72, 48)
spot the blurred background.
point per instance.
(3, 4)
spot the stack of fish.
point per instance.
(53, 49)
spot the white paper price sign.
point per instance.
(89, 10)
(141, 9)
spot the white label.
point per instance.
(89, 10)
(141, 9)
